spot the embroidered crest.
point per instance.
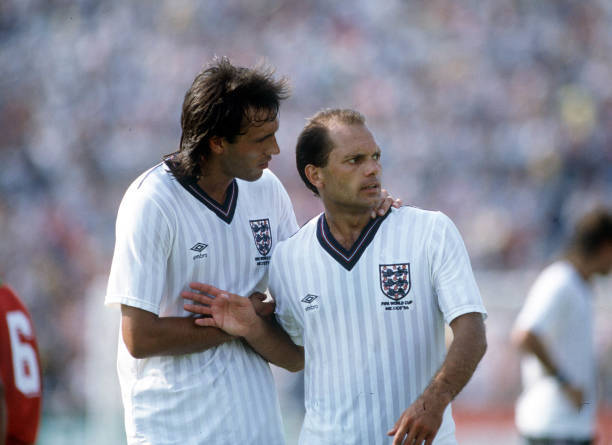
(262, 235)
(395, 280)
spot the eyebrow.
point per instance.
(357, 154)
(263, 138)
(268, 135)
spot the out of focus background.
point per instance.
(497, 113)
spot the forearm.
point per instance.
(236, 315)
(147, 335)
(530, 343)
(421, 420)
(465, 352)
(272, 343)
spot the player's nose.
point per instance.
(373, 167)
(273, 148)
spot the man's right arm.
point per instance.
(529, 342)
(147, 335)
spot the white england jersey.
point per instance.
(170, 233)
(559, 310)
(371, 319)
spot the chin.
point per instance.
(252, 176)
(374, 202)
(365, 207)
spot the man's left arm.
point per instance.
(237, 316)
(421, 421)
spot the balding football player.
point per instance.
(367, 301)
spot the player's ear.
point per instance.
(216, 145)
(313, 174)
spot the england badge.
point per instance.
(262, 235)
(395, 280)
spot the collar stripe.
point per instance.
(204, 197)
(347, 259)
(224, 211)
(354, 249)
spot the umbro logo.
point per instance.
(308, 300)
(199, 247)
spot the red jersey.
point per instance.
(19, 368)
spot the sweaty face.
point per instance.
(351, 178)
(250, 153)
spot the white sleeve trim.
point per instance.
(462, 310)
(114, 300)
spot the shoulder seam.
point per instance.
(146, 174)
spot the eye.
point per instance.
(376, 156)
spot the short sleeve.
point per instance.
(451, 272)
(142, 246)
(284, 312)
(545, 305)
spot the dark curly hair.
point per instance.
(221, 99)
(314, 143)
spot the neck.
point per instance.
(346, 227)
(581, 266)
(214, 182)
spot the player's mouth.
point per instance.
(373, 187)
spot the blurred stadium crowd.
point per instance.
(497, 113)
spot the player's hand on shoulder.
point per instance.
(386, 202)
(419, 424)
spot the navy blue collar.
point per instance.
(347, 258)
(224, 211)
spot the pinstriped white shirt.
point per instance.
(168, 234)
(371, 319)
